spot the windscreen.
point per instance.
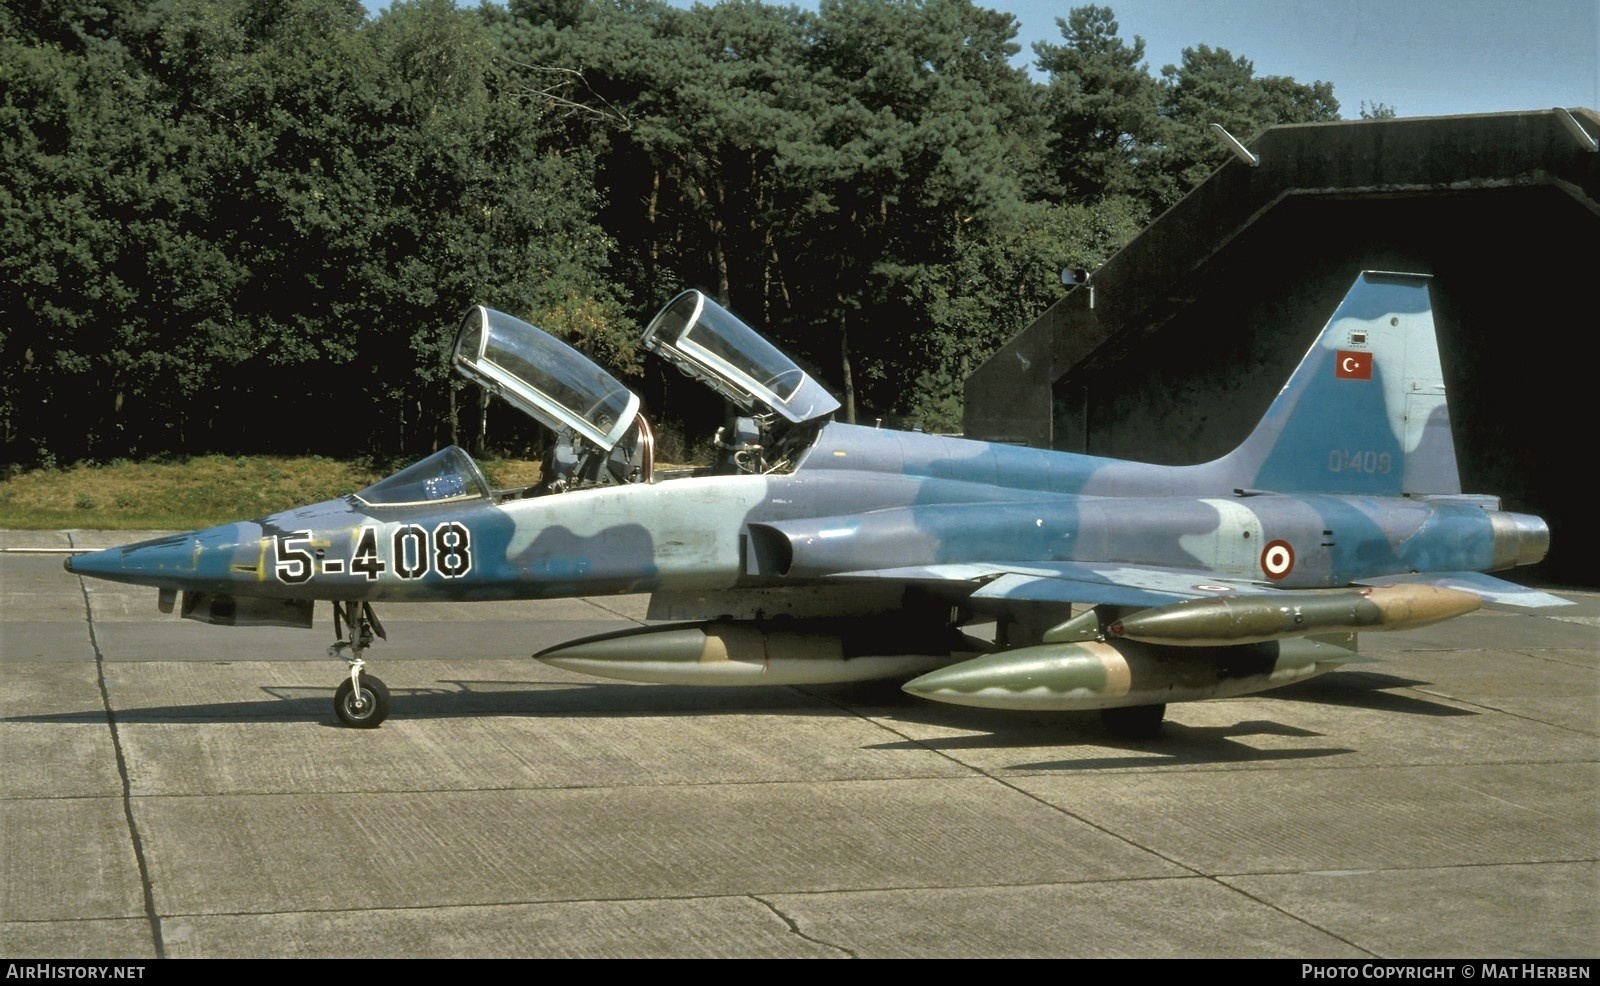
(448, 474)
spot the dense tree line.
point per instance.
(252, 225)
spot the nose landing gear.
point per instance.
(361, 700)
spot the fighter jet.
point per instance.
(983, 574)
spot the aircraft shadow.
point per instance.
(1177, 744)
(461, 698)
(1187, 746)
(1367, 690)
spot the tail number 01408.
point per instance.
(414, 551)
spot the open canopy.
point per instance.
(707, 341)
(545, 377)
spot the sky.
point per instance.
(1418, 57)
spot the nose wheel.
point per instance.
(364, 705)
(361, 700)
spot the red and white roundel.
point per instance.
(1277, 559)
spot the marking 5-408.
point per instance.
(410, 552)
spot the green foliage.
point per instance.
(243, 215)
(1103, 107)
(597, 328)
(177, 493)
(1215, 86)
(992, 289)
(253, 225)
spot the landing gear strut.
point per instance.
(361, 700)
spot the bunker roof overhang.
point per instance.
(1174, 261)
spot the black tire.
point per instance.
(374, 706)
(1134, 721)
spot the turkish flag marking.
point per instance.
(1352, 366)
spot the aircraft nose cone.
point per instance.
(135, 562)
(192, 560)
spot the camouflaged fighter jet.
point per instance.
(817, 551)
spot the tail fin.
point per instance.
(1365, 411)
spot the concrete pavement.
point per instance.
(169, 789)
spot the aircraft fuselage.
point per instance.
(720, 532)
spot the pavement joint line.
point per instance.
(1210, 878)
(1292, 916)
(1215, 879)
(976, 771)
(151, 914)
(794, 927)
(1506, 712)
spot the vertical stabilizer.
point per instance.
(1365, 411)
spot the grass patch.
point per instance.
(201, 491)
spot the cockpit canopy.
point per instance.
(601, 438)
(448, 474)
(544, 376)
(708, 342)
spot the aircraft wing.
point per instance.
(1103, 583)
(1096, 583)
(1189, 608)
(1494, 592)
